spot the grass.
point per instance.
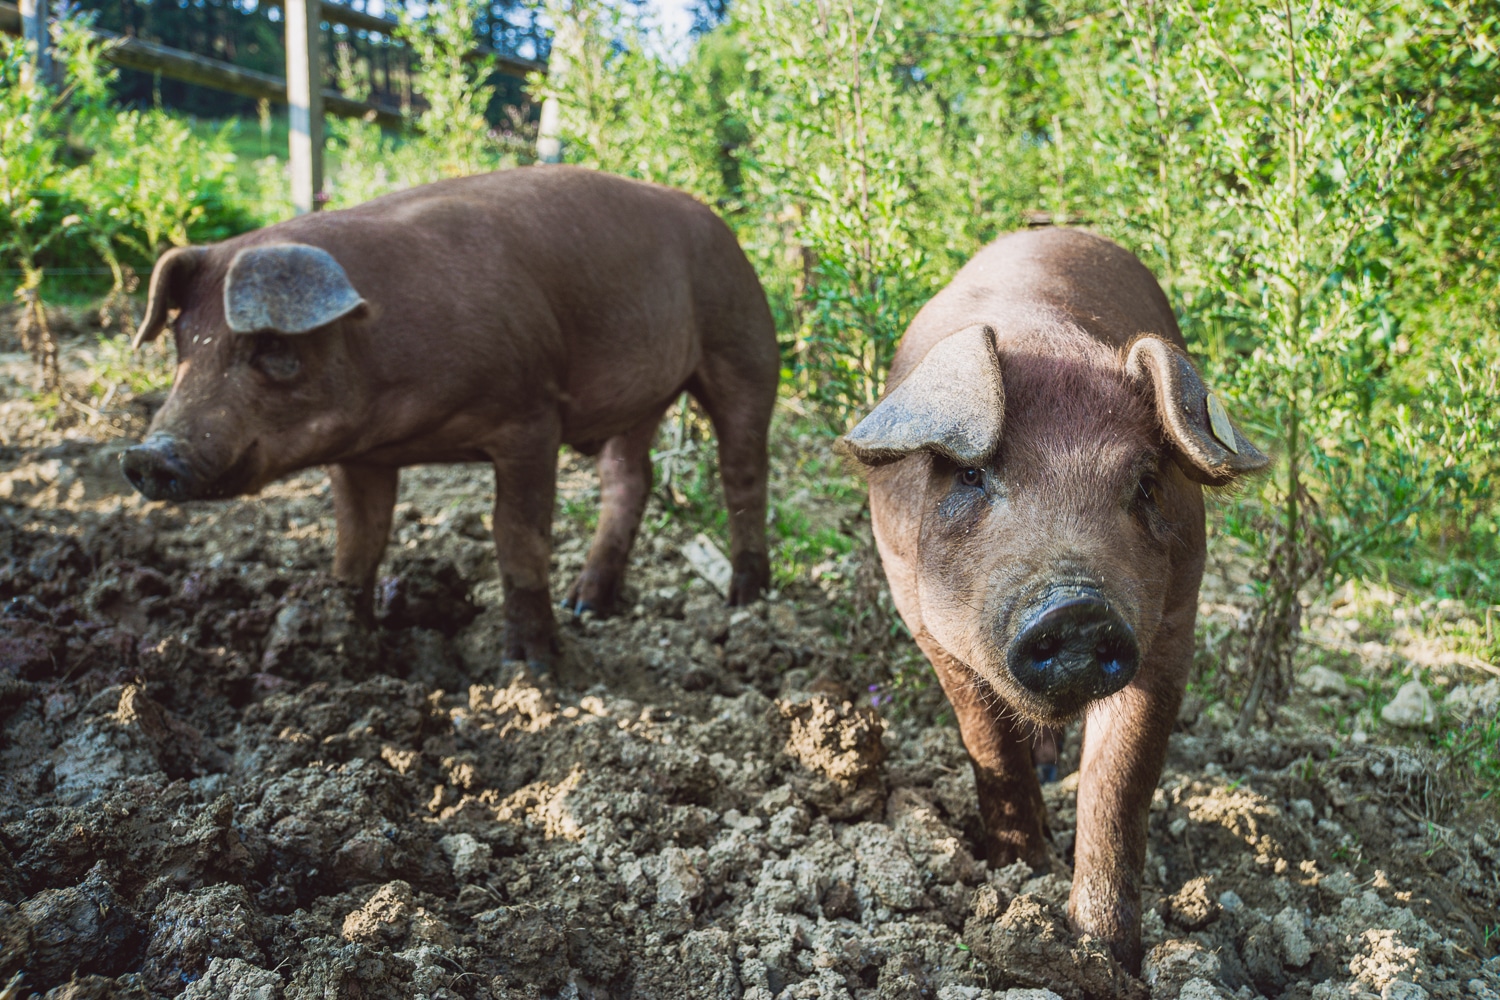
(800, 550)
(115, 368)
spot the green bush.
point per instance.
(87, 186)
(1309, 182)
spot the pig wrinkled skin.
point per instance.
(491, 318)
(1036, 470)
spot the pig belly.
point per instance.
(612, 395)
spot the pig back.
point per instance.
(537, 287)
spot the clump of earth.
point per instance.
(215, 782)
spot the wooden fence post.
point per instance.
(304, 99)
(548, 142)
(567, 41)
(34, 30)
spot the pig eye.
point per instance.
(971, 477)
(1149, 489)
(275, 358)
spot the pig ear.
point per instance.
(1213, 451)
(286, 287)
(952, 403)
(168, 280)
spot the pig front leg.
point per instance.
(1010, 797)
(525, 485)
(364, 499)
(1124, 746)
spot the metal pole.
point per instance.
(34, 30)
(304, 94)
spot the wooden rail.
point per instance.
(303, 55)
(129, 52)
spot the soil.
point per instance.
(216, 783)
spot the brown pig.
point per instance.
(1036, 472)
(483, 319)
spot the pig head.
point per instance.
(255, 396)
(1036, 473)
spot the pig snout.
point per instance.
(156, 470)
(1074, 648)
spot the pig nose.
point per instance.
(154, 469)
(1077, 649)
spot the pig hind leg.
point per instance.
(624, 483)
(739, 403)
(364, 499)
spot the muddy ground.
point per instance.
(215, 784)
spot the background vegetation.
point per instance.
(1314, 183)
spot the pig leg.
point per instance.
(364, 498)
(624, 483)
(525, 462)
(740, 410)
(1124, 746)
(1010, 799)
(1046, 748)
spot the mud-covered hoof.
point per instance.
(586, 595)
(581, 608)
(751, 579)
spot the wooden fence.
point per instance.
(301, 90)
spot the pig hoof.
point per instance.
(580, 608)
(588, 594)
(752, 575)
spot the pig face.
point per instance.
(262, 385)
(1051, 492)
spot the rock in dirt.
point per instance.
(936, 846)
(885, 866)
(1473, 701)
(1289, 927)
(235, 979)
(709, 563)
(470, 857)
(1202, 989)
(189, 930)
(1030, 944)
(1323, 682)
(1403, 991)
(82, 929)
(97, 988)
(1412, 708)
(1169, 967)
